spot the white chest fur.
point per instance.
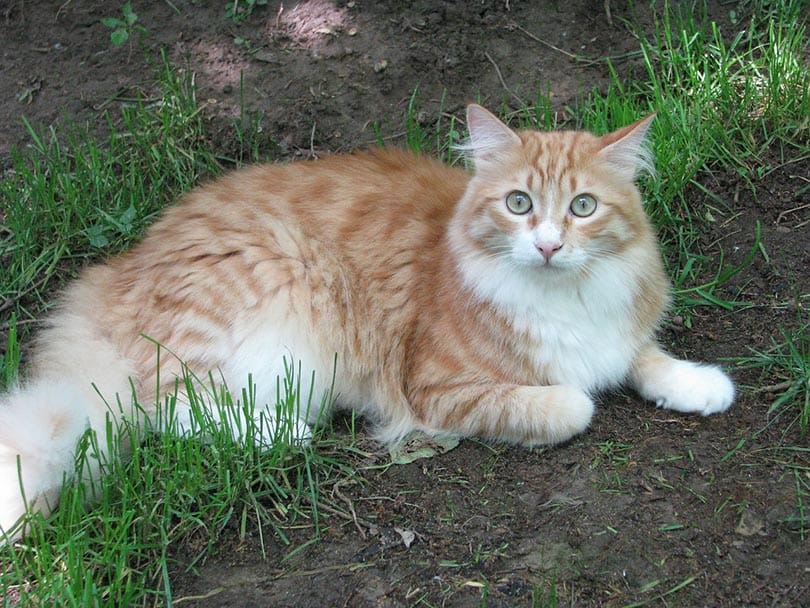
(582, 329)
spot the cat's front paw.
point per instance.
(691, 387)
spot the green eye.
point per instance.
(583, 205)
(518, 202)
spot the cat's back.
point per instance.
(353, 228)
(357, 198)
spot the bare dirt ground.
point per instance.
(697, 511)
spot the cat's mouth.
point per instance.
(558, 265)
(543, 265)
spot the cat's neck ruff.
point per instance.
(581, 326)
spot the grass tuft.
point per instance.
(787, 366)
(116, 541)
(69, 197)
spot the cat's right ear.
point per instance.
(489, 137)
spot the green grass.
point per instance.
(172, 494)
(112, 541)
(720, 105)
(786, 366)
(73, 197)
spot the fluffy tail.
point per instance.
(40, 426)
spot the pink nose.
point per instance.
(548, 249)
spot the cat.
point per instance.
(495, 303)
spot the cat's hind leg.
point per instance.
(284, 397)
(239, 414)
(683, 386)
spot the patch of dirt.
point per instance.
(646, 503)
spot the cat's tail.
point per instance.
(41, 424)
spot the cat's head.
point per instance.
(554, 202)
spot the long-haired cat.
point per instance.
(493, 304)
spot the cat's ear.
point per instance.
(489, 137)
(626, 149)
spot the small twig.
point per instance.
(782, 215)
(336, 493)
(722, 238)
(503, 82)
(548, 44)
(772, 388)
(607, 13)
(312, 152)
(7, 325)
(9, 302)
(278, 14)
(785, 164)
(358, 521)
(61, 8)
(204, 596)
(392, 137)
(331, 568)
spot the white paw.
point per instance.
(575, 410)
(691, 387)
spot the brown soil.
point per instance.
(702, 506)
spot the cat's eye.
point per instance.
(583, 205)
(518, 202)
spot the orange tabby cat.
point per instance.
(493, 305)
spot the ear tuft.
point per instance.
(627, 151)
(489, 137)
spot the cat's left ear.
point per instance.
(489, 137)
(626, 149)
